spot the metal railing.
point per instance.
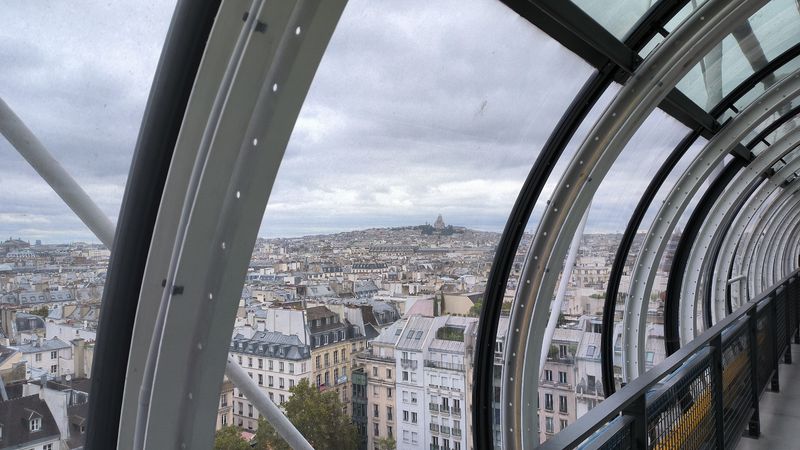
(444, 365)
(408, 364)
(705, 394)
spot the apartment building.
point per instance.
(225, 412)
(52, 357)
(277, 362)
(380, 368)
(557, 403)
(332, 345)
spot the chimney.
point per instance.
(79, 356)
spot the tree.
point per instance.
(386, 444)
(475, 309)
(228, 438)
(317, 415)
(42, 311)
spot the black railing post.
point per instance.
(754, 426)
(788, 322)
(718, 389)
(638, 410)
(772, 330)
(792, 298)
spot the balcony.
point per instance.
(444, 430)
(444, 365)
(444, 408)
(408, 364)
(457, 432)
(434, 407)
(435, 447)
(456, 412)
(435, 427)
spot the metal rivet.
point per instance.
(275, 87)
(297, 31)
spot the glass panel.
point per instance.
(616, 16)
(759, 89)
(743, 52)
(78, 76)
(581, 307)
(416, 136)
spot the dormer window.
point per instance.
(35, 424)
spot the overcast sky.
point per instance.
(417, 109)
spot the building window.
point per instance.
(240, 360)
(223, 419)
(280, 383)
(548, 402)
(327, 361)
(562, 404)
(283, 398)
(270, 381)
(291, 384)
(36, 424)
(53, 368)
(291, 367)
(249, 362)
(405, 416)
(413, 417)
(562, 377)
(548, 424)
(375, 411)
(389, 373)
(47, 447)
(336, 357)
(53, 355)
(249, 410)
(260, 379)
(327, 378)
(374, 371)
(318, 364)
(562, 351)
(375, 429)
(260, 363)
(336, 374)
(280, 366)
(389, 431)
(413, 398)
(562, 424)
(271, 367)
(405, 375)
(548, 375)
(389, 392)
(388, 413)
(38, 357)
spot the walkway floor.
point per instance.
(779, 412)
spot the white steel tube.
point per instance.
(26, 143)
(555, 307)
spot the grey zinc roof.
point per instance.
(391, 334)
(415, 333)
(45, 345)
(271, 344)
(16, 413)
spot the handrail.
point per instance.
(631, 398)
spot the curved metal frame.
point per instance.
(745, 253)
(169, 95)
(715, 223)
(732, 239)
(673, 305)
(758, 263)
(649, 84)
(675, 203)
(763, 75)
(218, 199)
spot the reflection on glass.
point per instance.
(616, 16)
(750, 47)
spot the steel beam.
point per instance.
(51, 171)
(573, 194)
(218, 217)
